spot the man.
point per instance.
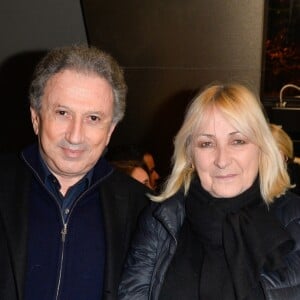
(66, 216)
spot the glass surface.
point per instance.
(281, 49)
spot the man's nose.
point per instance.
(75, 131)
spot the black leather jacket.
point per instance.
(156, 241)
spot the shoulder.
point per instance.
(170, 206)
(123, 182)
(160, 221)
(171, 212)
(9, 160)
(287, 208)
(12, 167)
(124, 190)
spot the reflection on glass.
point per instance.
(282, 48)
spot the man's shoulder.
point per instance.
(120, 190)
(11, 165)
(6, 158)
(122, 186)
(123, 181)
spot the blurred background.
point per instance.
(168, 49)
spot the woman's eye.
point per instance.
(239, 142)
(205, 144)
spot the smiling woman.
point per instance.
(224, 213)
(226, 161)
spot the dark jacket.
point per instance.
(122, 199)
(156, 242)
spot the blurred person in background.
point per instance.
(153, 173)
(136, 153)
(286, 147)
(134, 168)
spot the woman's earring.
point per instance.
(191, 168)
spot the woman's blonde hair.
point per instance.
(244, 111)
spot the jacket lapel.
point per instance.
(115, 212)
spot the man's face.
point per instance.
(75, 122)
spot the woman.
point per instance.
(226, 226)
(286, 148)
(134, 168)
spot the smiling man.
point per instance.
(66, 215)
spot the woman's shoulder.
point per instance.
(172, 205)
(170, 212)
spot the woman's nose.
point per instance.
(223, 158)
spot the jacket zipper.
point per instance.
(64, 230)
(63, 238)
(63, 233)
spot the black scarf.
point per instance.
(225, 244)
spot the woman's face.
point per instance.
(226, 161)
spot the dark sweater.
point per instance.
(64, 265)
(82, 254)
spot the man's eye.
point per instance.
(61, 112)
(94, 118)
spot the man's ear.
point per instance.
(111, 130)
(35, 119)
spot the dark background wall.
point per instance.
(168, 48)
(27, 29)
